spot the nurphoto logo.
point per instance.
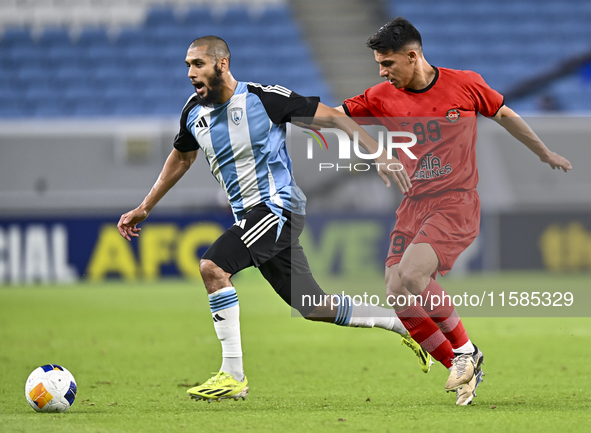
(384, 141)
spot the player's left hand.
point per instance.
(556, 161)
(400, 177)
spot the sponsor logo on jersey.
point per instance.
(452, 115)
(236, 115)
(429, 167)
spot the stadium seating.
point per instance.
(88, 57)
(76, 65)
(507, 41)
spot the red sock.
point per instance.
(444, 314)
(427, 334)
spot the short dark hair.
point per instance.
(217, 48)
(394, 36)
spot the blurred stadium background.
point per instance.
(91, 92)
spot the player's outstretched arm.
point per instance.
(517, 127)
(175, 167)
(336, 118)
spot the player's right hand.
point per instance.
(128, 222)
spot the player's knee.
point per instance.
(395, 290)
(209, 271)
(411, 279)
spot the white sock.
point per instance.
(466, 349)
(225, 312)
(367, 316)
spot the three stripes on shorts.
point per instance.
(259, 229)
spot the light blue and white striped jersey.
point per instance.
(244, 143)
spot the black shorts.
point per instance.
(253, 241)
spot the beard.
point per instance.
(214, 89)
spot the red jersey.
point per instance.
(443, 117)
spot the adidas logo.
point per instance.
(218, 392)
(217, 318)
(241, 223)
(202, 123)
(421, 353)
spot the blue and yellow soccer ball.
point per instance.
(51, 388)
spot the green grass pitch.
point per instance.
(135, 349)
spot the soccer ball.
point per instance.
(51, 388)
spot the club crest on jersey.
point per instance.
(453, 115)
(236, 115)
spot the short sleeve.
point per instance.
(357, 106)
(184, 140)
(282, 104)
(487, 101)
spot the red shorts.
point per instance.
(449, 222)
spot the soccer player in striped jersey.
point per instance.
(439, 216)
(240, 127)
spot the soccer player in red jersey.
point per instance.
(439, 216)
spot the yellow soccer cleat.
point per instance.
(424, 357)
(220, 387)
